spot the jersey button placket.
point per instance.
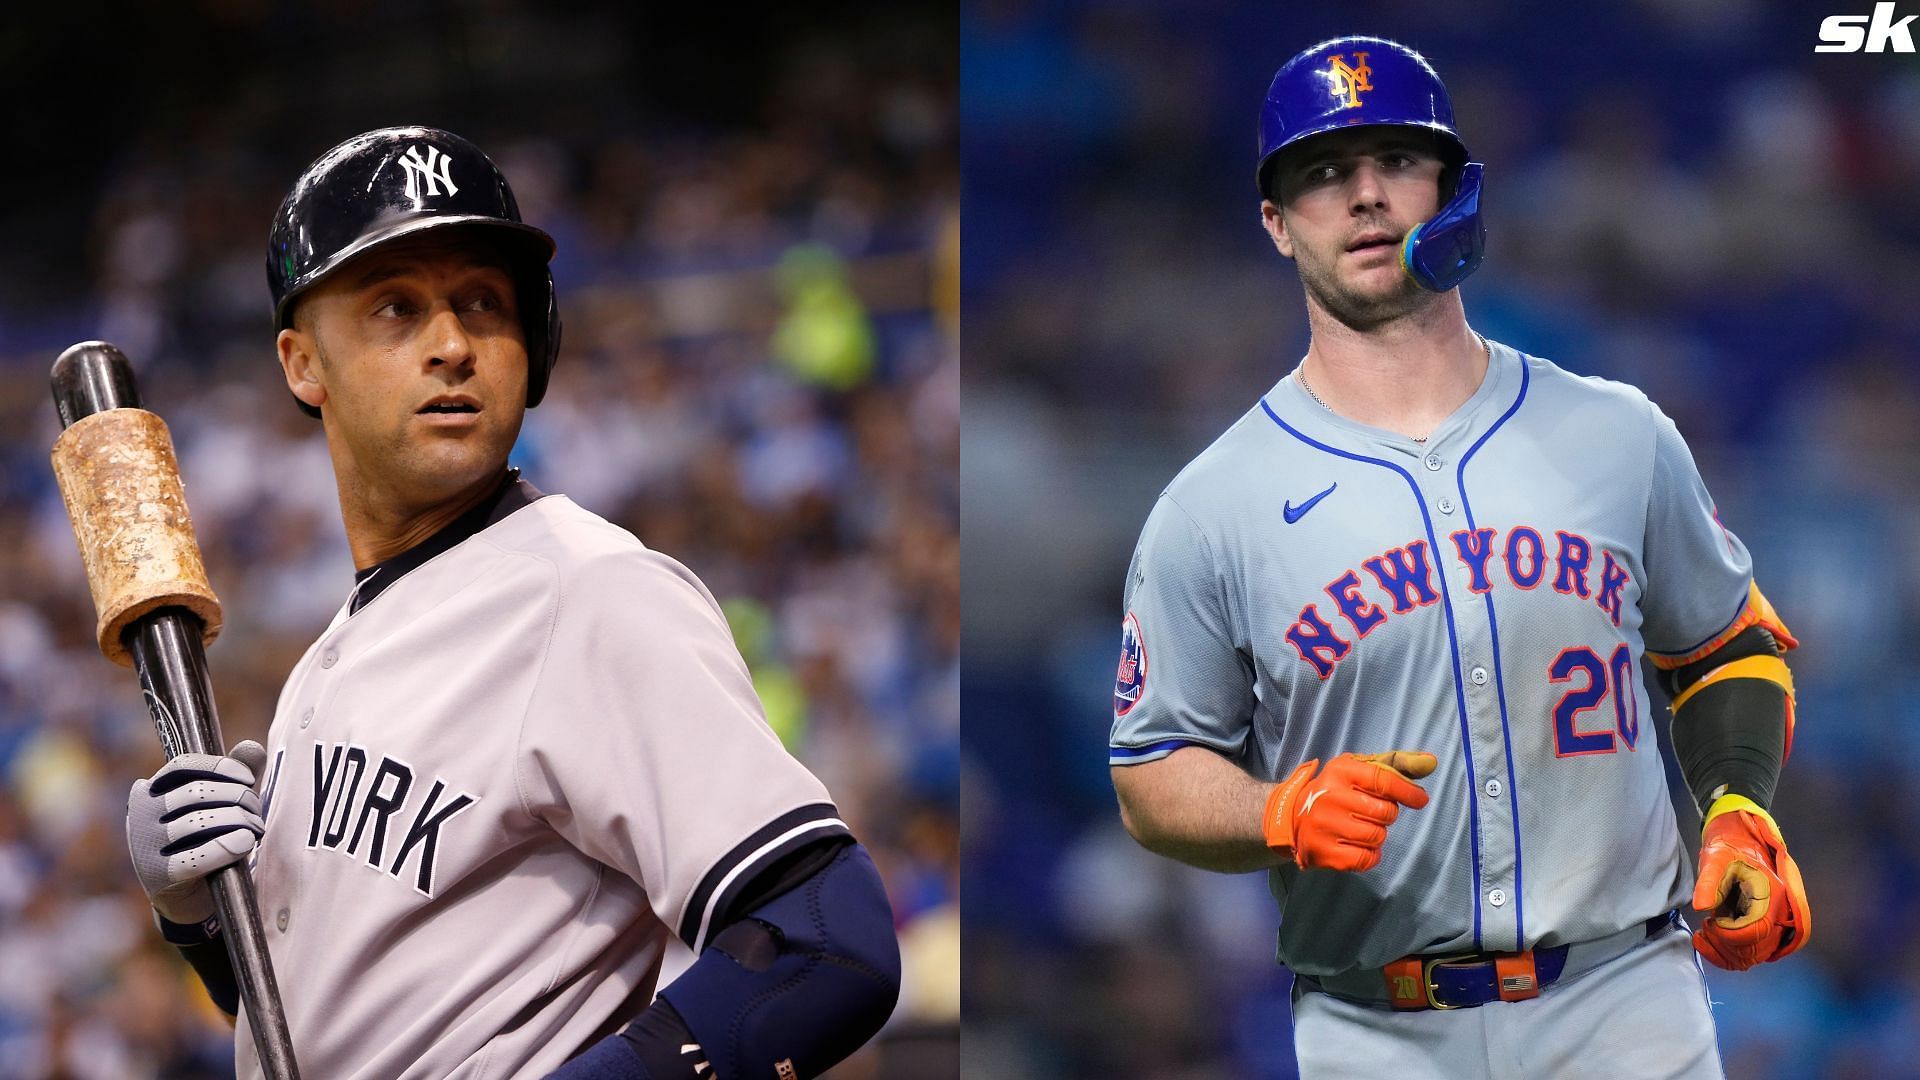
(1472, 642)
(329, 658)
(1496, 825)
(1476, 659)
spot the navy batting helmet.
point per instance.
(397, 182)
(1372, 82)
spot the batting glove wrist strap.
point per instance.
(199, 933)
(1276, 824)
(1727, 804)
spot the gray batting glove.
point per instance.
(196, 815)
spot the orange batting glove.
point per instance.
(1749, 887)
(1338, 819)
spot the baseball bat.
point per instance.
(165, 641)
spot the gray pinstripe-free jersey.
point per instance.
(1310, 586)
(497, 789)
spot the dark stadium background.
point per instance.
(1680, 194)
(757, 209)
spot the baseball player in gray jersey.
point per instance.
(526, 751)
(1383, 639)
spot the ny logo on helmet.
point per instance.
(1348, 81)
(433, 169)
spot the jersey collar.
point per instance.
(512, 494)
(1495, 392)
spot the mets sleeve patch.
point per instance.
(1131, 679)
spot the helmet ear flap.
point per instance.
(1441, 252)
(1453, 160)
(544, 351)
(1268, 169)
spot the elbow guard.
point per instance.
(1733, 718)
(798, 983)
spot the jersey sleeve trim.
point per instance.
(1755, 610)
(1138, 755)
(777, 838)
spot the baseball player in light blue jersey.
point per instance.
(1419, 575)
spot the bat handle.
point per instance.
(246, 948)
(173, 670)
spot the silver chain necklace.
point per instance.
(1301, 374)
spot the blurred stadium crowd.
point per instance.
(758, 274)
(1680, 195)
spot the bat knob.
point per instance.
(92, 377)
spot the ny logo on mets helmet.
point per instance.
(1348, 81)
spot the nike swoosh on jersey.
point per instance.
(1293, 513)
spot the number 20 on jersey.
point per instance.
(1615, 676)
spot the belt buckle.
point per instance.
(1426, 978)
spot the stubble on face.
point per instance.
(1362, 307)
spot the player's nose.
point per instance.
(1365, 189)
(447, 340)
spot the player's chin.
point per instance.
(1367, 308)
(432, 478)
(1376, 279)
(456, 451)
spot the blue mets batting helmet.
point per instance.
(401, 181)
(1371, 82)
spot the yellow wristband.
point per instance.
(1728, 803)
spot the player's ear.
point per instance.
(300, 363)
(1276, 224)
